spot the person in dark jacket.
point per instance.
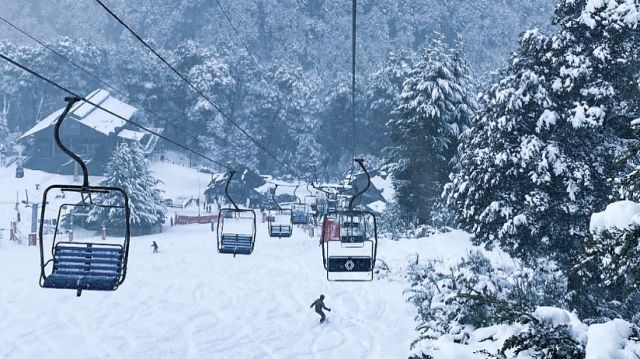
(319, 306)
(155, 247)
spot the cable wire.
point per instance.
(197, 90)
(134, 123)
(354, 9)
(96, 78)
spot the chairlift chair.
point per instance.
(327, 202)
(93, 262)
(19, 171)
(299, 211)
(312, 203)
(280, 224)
(332, 204)
(236, 233)
(350, 241)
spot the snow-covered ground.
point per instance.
(30, 187)
(190, 302)
(179, 181)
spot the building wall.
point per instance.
(42, 153)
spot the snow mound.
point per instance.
(621, 214)
(610, 340)
(558, 316)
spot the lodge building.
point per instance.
(88, 131)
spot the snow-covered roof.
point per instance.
(90, 115)
(46, 122)
(131, 135)
(377, 206)
(385, 185)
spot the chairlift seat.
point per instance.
(85, 266)
(236, 243)
(299, 218)
(349, 264)
(280, 230)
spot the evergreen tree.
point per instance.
(435, 106)
(335, 131)
(129, 169)
(610, 272)
(535, 164)
(380, 99)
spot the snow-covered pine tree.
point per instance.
(293, 129)
(384, 87)
(535, 164)
(335, 131)
(435, 106)
(129, 169)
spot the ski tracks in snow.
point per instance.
(190, 302)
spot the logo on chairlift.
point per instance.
(349, 265)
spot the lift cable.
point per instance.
(96, 78)
(198, 91)
(134, 123)
(353, 77)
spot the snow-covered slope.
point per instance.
(190, 302)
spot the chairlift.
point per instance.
(299, 210)
(236, 232)
(350, 241)
(96, 256)
(311, 200)
(279, 224)
(328, 202)
(19, 171)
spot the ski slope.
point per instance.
(190, 302)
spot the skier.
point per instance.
(155, 247)
(319, 306)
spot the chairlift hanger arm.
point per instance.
(273, 197)
(360, 162)
(296, 195)
(71, 100)
(226, 189)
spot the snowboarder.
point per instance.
(319, 306)
(155, 247)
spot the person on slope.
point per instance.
(155, 247)
(319, 306)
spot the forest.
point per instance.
(282, 70)
(513, 122)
